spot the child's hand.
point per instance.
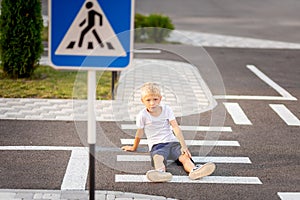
(186, 151)
(128, 148)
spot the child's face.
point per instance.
(151, 102)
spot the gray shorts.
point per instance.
(170, 151)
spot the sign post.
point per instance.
(92, 128)
(91, 35)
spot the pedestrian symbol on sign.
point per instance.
(90, 24)
(96, 38)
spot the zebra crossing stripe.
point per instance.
(77, 171)
(192, 142)
(187, 128)
(285, 114)
(248, 97)
(237, 114)
(197, 159)
(206, 128)
(289, 195)
(185, 179)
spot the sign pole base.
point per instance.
(92, 172)
(113, 81)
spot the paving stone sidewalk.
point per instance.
(182, 88)
(218, 40)
(73, 195)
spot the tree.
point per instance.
(21, 25)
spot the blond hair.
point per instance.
(150, 88)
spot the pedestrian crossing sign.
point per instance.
(91, 34)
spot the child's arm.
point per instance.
(180, 137)
(138, 136)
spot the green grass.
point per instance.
(47, 82)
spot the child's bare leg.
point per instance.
(196, 172)
(188, 165)
(159, 174)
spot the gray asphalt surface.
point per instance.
(267, 19)
(271, 145)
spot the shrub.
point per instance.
(21, 47)
(139, 23)
(152, 28)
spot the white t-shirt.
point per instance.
(157, 129)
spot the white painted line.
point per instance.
(237, 114)
(271, 83)
(215, 159)
(191, 142)
(206, 128)
(133, 158)
(185, 179)
(285, 114)
(187, 128)
(40, 148)
(197, 159)
(146, 51)
(289, 195)
(128, 126)
(77, 171)
(247, 97)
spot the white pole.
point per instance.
(91, 107)
(91, 129)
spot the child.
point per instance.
(164, 142)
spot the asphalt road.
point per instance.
(270, 144)
(268, 19)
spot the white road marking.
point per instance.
(41, 148)
(77, 171)
(185, 179)
(216, 159)
(271, 83)
(289, 195)
(248, 97)
(237, 114)
(151, 51)
(285, 95)
(285, 114)
(187, 128)
(206, 128)
(191, 142)
(197, 159)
